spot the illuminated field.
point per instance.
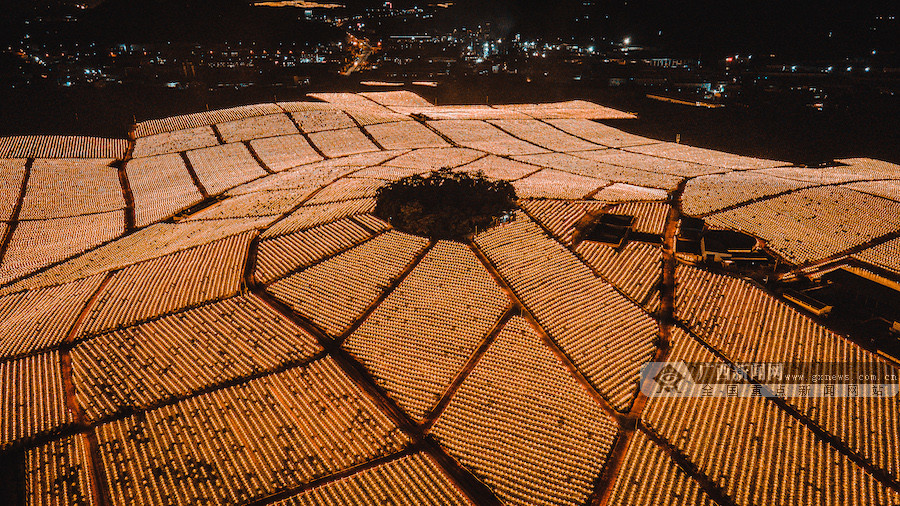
(209, 313)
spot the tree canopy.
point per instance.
(444, 204)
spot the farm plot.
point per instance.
(781, 460)
(879, 169)
(401, 97)
(706, 194)
(268, 203)
(315, 175)
(63, 187)
(825, 175)
(374, 114)
(11, 173)
(256, 127)
(151, 242)
(333, 294)
(282, 153)
(314, 215)
(305, 177)
(435, 158)
(748, 325)
(343, 142)
(37, 244)
(885, 189)
(347, 100)
(58, 474)
(574, 109)
(495, 167)
(61, 146)
(459, 112)
(166, 284)
(599, 170)
(669, 486)
(635, 270)
(420, 337)
(363, 110)
(649, 217)
(606, 336)
(322, 118)
(640, 161)
(525, 426)
(814, 223)
(560, 216)
(405, 135)
(623, 192)
(373, 223)
(358, 160)
(386, 172)
(174, 142)
(222, 167)
(707, 157)
(161, 186)
(38, 319)
(306, 106)
(32, 398)
(543, 135)
(484, 137)
(599, 133)
(286, 253)
(177, 355)
(868, 425)
(885, 255)
(348, 188)
(204, 118)
(408, 481)
(556, 184)
(243, 443)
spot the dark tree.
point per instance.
(444, 204)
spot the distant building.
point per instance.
(691, 229)
(687, 243)
(869, 289)
(811, 304)
(611, 229)
(722, 245)
(667, 62)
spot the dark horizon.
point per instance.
(808, 113)
(803, 29)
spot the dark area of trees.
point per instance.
(444, 204)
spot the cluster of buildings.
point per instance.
(174, 65)
(849, 293)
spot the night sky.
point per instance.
(795, 28)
